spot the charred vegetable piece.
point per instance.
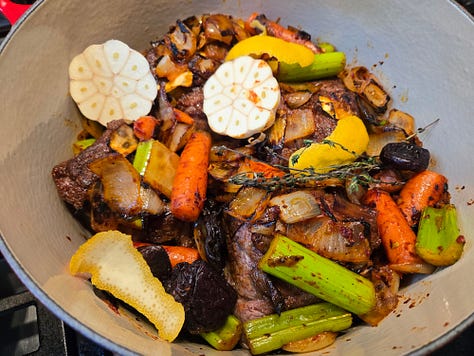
(273, 331)
(114, 265)
(110, 81)
(210, 235)
(241, 98)
(121, 184)
(438, 241)
(205, 294)
(157, 259)
(258, 23)
(123, 140)
(324, 65)
(297, 265)
(227, 336)
(405, 156)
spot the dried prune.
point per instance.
(405, 156)
(206, 296)
(158, 260)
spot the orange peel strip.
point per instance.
(114, 265)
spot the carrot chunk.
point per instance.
(423, 190)
(398, 239)
(190, 182)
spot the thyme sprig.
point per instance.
(357, 172)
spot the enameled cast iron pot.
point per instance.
(427, 50)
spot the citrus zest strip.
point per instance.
(284, 51)
(115, 266)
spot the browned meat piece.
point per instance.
(191, 103)
(73, 178)
(250, 283)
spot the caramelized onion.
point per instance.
(246, 202)
(151, 202)
(121, 184)
(219, 27)
(341, 241)
(299, 124)
(377, 141)
(296, 206)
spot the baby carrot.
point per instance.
(183, 117)
(190, 182)
(398, 239)
(263, 168)
(144, 127)
(178, 254)
(276, 30)
(423, 190)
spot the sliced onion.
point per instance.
(299, 124)
(178, 138)
(402, 120)
(297, 99)
(341, 241)
(121, 184)
(378, 140)
(151, 202)
(246, 202)
(296, 206)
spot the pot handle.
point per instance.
(12, 11)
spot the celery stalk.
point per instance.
(320, 276)
(326, 47)
(438, 240)
(142, 154)
(81, 145)
(227, 336)
(324, 65)
(271, 332)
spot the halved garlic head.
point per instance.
(111, 81)
(241, 97)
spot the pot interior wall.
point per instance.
(39, 122)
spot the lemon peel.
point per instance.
(114, 265)
(350, 133)
(284, 51)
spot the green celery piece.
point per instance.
(142, 155)
(297, 265)
(227, 336)
(81, 145)
(324, 65)
(327, 47)
(271, 332)
(438, 240)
